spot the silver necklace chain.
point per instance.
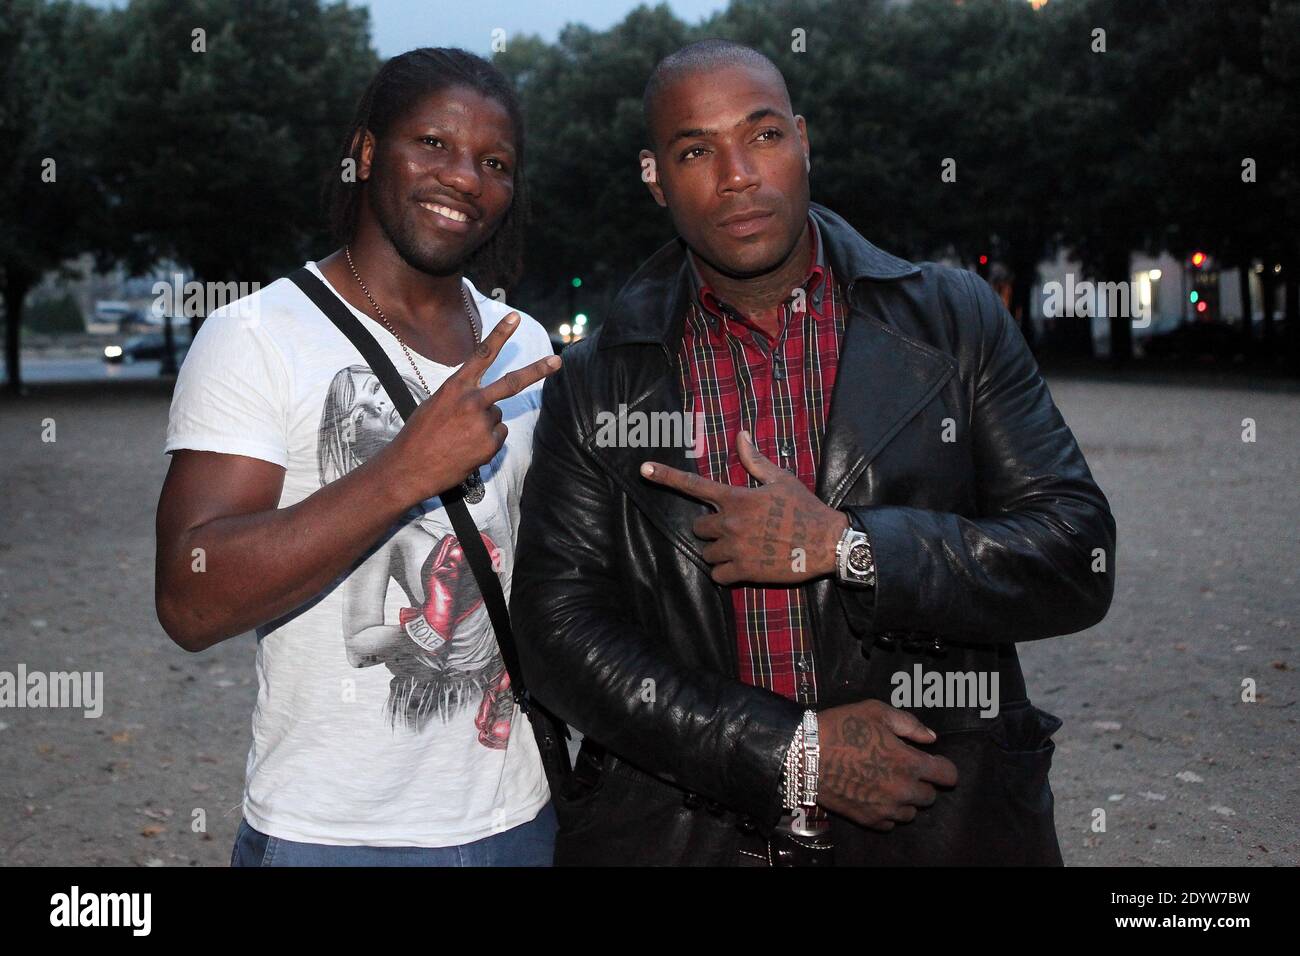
(472, 487)
(464, 299)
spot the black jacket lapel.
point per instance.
(651, 312)
(671, 512)
(884, 379)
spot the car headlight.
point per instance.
(112, 351)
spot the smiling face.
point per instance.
(441, 178)
(731, 161)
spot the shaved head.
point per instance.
(729, 161)
(702, 57)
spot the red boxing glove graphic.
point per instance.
(451, 595)
(495, 713)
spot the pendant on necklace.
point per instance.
(472, 488)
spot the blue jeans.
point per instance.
(529, 844)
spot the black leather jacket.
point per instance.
(996, 536)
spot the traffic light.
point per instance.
(1204, 295)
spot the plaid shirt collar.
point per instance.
(715, 309)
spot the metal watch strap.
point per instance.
(790, 772)
(811, 764)
(802, 764)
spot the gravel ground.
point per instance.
(1156, 732)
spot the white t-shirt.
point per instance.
(381, 719)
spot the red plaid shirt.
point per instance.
(779, 390)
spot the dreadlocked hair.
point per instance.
(397, 87)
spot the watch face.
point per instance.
(859, 559)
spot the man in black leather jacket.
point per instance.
(942, 454)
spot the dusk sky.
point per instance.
(400, 25)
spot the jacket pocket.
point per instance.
(1022, 747)
(1023, 733)
(1005, 802)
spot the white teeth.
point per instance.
(444, 211)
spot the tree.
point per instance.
(981, 95)
(1226, 145)
(1185, 92)
(592, 216)
(226, 118)
(52, 58)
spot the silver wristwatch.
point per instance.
(855, 565)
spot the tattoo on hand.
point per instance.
(857, 765)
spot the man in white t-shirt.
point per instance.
(299, 504)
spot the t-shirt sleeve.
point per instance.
(232, 393)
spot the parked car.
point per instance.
(148, 347)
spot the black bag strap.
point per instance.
(480, 563)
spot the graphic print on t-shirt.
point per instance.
(439, 647)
